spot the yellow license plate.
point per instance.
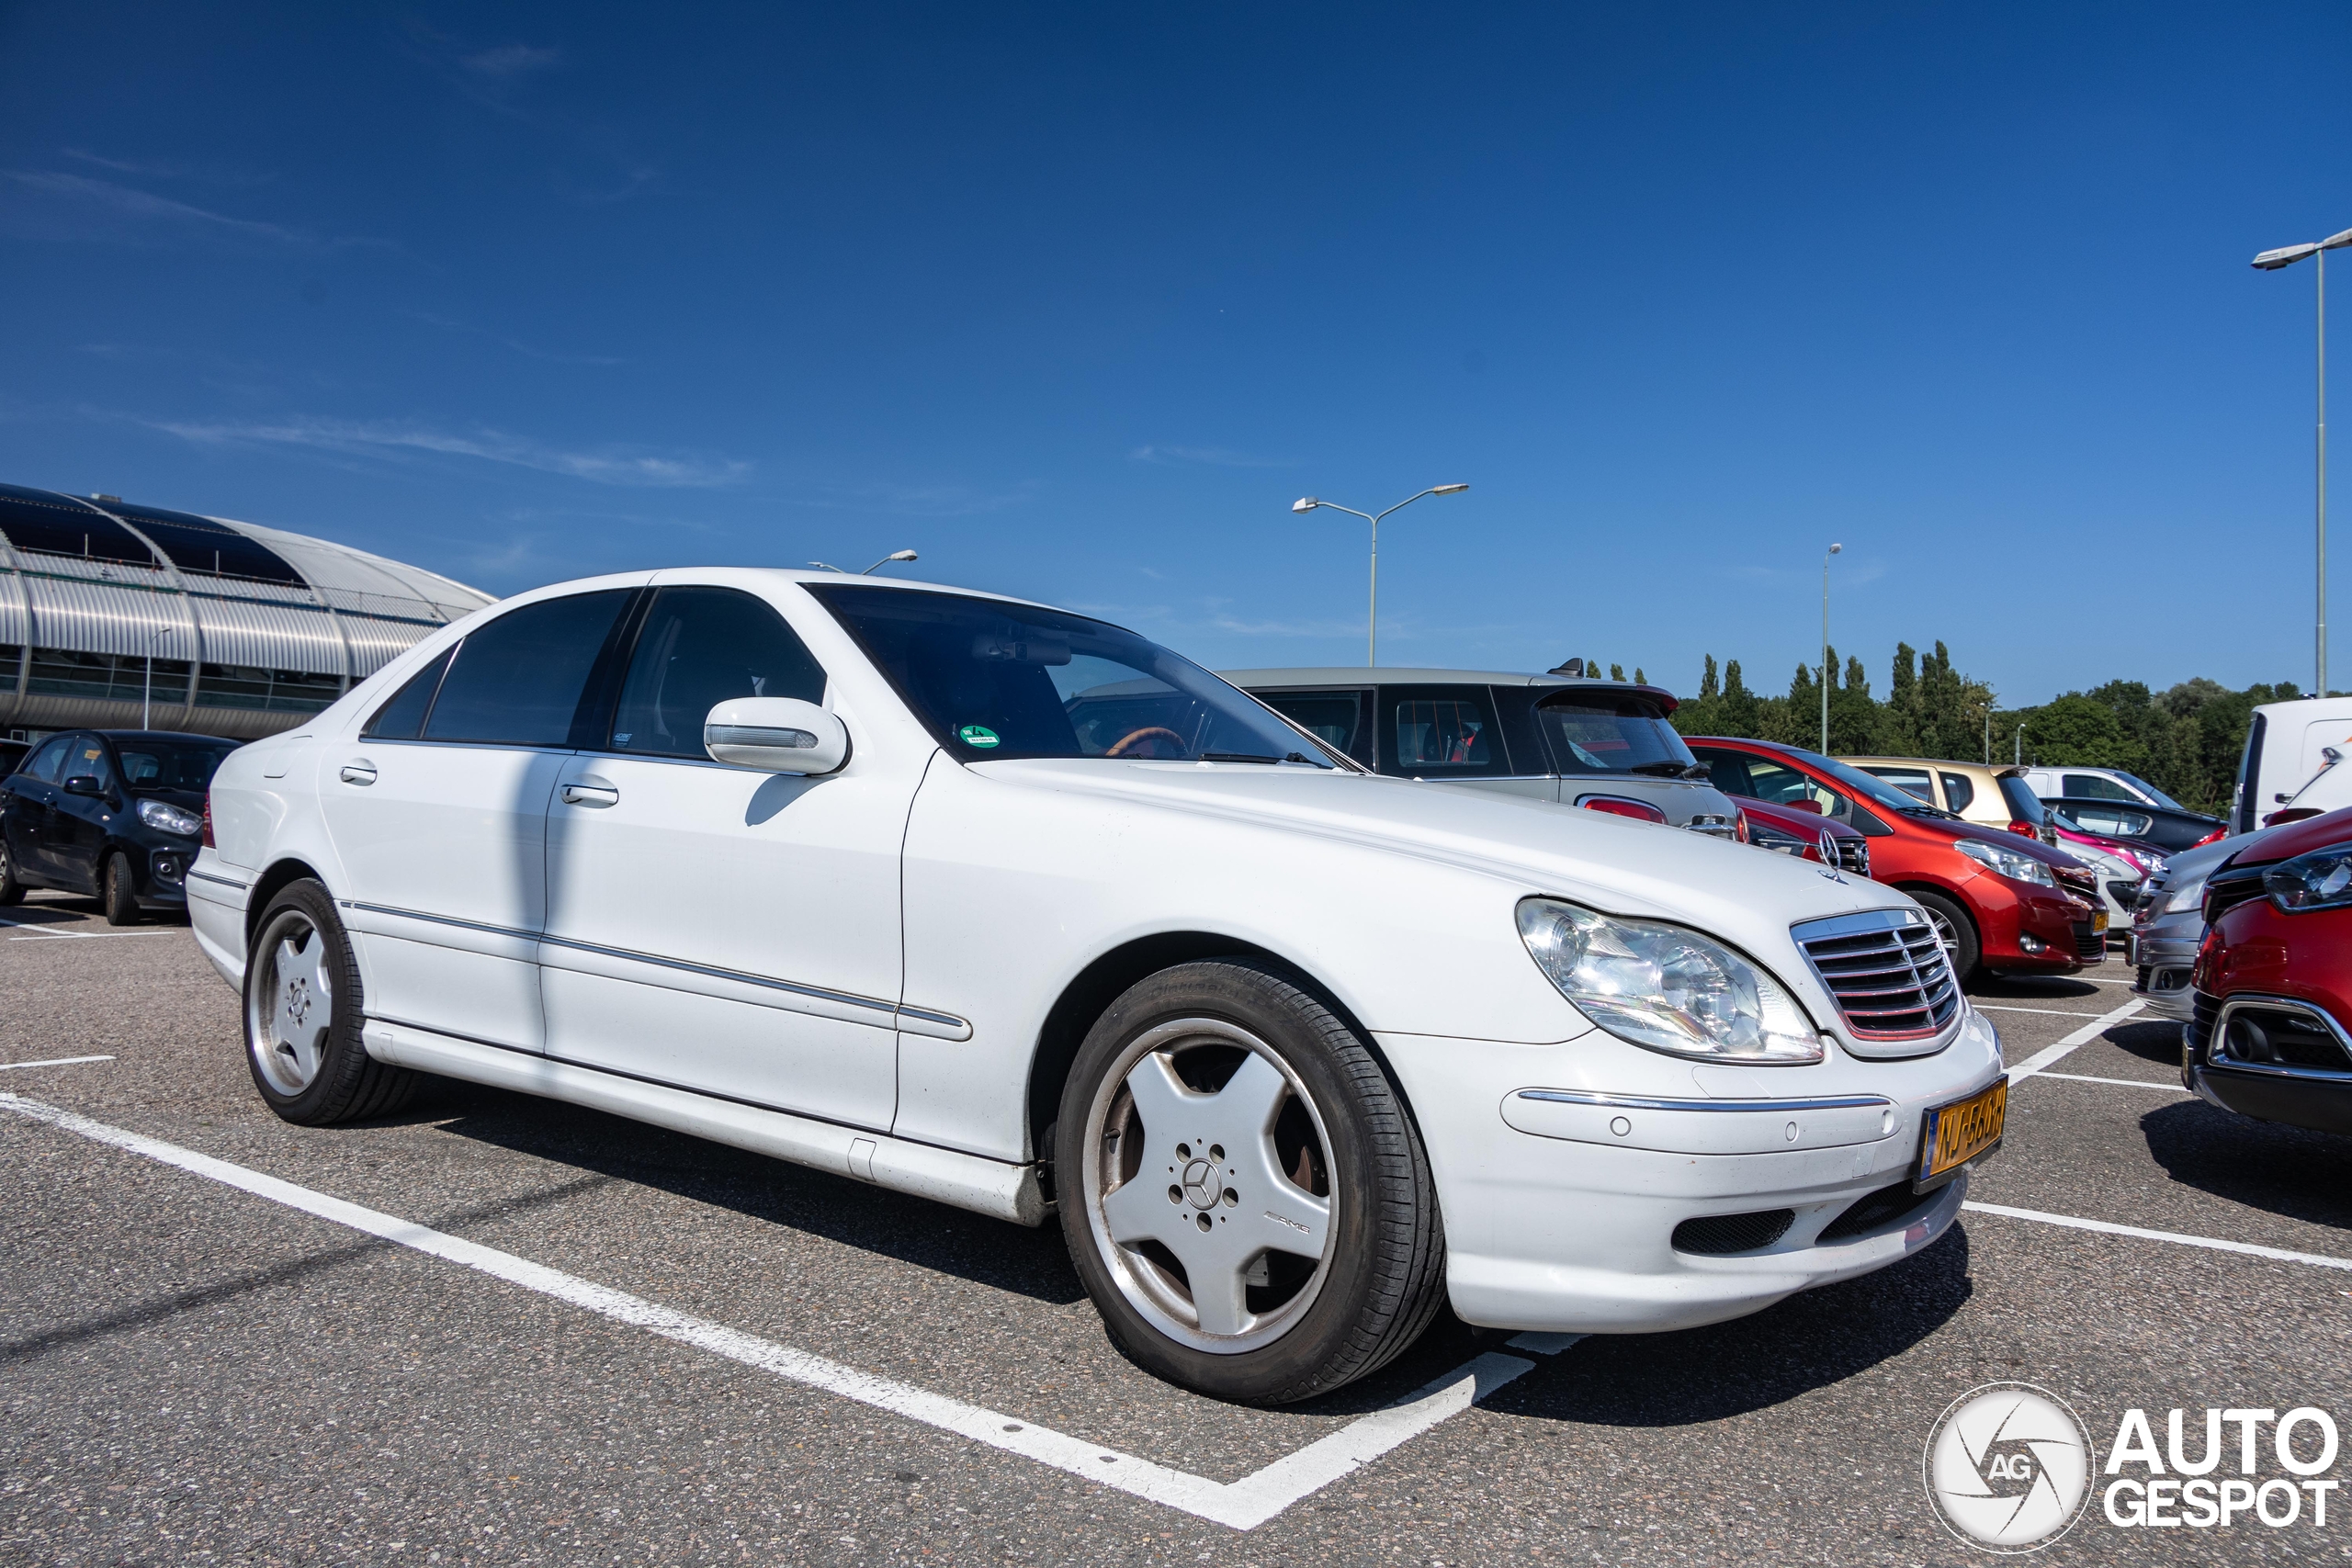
(1952, 1135)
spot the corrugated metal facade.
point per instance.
(352, 614)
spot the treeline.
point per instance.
(2185, 740)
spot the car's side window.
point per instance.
(403, 716)
(1440, 732)
(2091, 787)
(1959, 794)
(518, 681)
(1335, 719)
(44, 763)
(87, 757)
(1910, 781)
(1780, 784)
(1727, 770)
(699, 646)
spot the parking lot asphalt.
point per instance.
(196, 1370)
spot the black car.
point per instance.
(114, 812)
(2169, 832)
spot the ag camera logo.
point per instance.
(2008, 1467)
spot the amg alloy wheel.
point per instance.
(303, 1018)
(1243, 1193)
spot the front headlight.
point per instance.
(2186, 895)
(1666, 988)
(2320, 880)
(2013, 864)
(162, 816)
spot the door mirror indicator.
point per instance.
(775, 735)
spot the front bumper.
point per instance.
(1573, 1229)
(2162, 951)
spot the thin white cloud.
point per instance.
(551, 356)
(1205, 456)
(511, 60)
(391, 439)
(96, 208)
(165, 170)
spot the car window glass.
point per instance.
(1910, 781)
(1598, 734)
(402, 717)
(2091, 787)
(2023, 803)
(517, 681)
(1439, 732)
(171, 764)
(2152, 793)
(1335, 719)
(698, 648)
(1777, 783)
(87, 757)
(1959, 793)
(1727, 770)
(992, 677)
(45, 763)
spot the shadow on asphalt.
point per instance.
(995, 1252)
(2157, 1041)
(2281, 1171)
(2040, 987)
(1810, 1341)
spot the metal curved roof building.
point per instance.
(209, 624)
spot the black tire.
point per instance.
(1381, 1275)
(11, 890)
(331, 1078)
(120, 890)
(1954, 924)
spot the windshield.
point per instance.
(1613, 735)
(992, 678)
(2153, 792)
(169, 765)
(1863, 785)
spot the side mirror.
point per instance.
(1807, 804)
(775, 735)
(83, 784)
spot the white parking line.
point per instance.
(1243, 1504)
(2047, 1013)
(2277, 1253)
(2127, 1083)
(2082, 1037)
(52, 1062)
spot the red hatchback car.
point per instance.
(2000, 900)
(2272, 1033)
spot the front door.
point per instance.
(79, 824)
(717, 928)
(438, 811)
(30, 806)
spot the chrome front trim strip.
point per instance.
(912, 1019)
(2217, 1046)
(1644, 1102)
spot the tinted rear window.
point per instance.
(169, 765)
(2023, 803)
(1610, 734)
(517, 681)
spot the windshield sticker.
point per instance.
(978, 736)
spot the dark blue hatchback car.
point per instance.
(115, 812)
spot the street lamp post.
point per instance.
(1825, 647)
(2271, 260)
(147, 689)
(1371, 632)
(877, 565)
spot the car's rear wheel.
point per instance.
(11, 890)
(1956, 930)
(1243, 1193)
(304, 1016)
(121, 891)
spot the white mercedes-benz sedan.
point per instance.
(1016, 910)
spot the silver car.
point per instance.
(2168, 924)
(1604, 745)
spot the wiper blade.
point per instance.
(1247, 757)
(1931, 811)
(1663, 769)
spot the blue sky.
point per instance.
(1076, 300)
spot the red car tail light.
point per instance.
(2215, 837)
(2025, 829)
(207, 839)
(1743, 834)
(1617, 805)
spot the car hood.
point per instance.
(1743, 895)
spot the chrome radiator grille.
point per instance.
(1887, 970)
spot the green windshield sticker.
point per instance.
(979, 736)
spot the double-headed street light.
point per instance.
(877, 565)
(1372, 633)
(1825, 647)
(2271, 260)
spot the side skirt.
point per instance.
(966, 1182)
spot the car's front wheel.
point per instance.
(303, 1017)
(1243, 1193)
(11, 890)
(121, 891)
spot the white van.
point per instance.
(2291, 762)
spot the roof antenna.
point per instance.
(1573, 669)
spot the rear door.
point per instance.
(439, 812)
(31, 798)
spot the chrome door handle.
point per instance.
(358, 773)
(590, 795)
